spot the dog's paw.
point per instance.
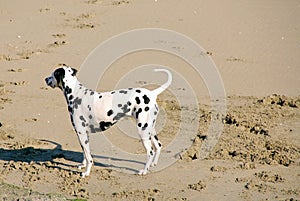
(143, 172)
(81, 166)
(84, 174)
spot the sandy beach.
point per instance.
(255, 47)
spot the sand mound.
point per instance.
(247, 136)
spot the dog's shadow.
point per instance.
(40, 155)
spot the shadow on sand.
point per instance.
(31, 154)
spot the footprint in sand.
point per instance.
(116, 3)
(44, 88)
(4, 57)
(20, 83)
(31, 120)
(57, 44)
(59, 35)
(16, 70)
(83, 21)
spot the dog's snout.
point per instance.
(47, 80)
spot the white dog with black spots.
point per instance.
(92, 111)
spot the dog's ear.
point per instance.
(74, 71)
(59, 74)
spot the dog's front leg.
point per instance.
(87, 157)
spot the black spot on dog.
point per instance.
(123, 92)
(138, 91)
(138, 112)
(90, 116)
(105, 125)
(113, 92)
(118, 116)
(70, 109)
(92, 128)
(128, 103)
(110, 112)
(156, 107)
(146, 99)
(68, 90)
(82, 118)
(125, 108)
(129, 88)
(155, 137)
(100, 96)
(153, 121)
(139, 124)
(87, 141)
(71, 97)
(155, 113)
(77, 101)
(133, 111)
(92, 93)
(159, 144)
(151, 153)
(119, 105)
(145, 126)
(146, 108)
(137, 100)
(74, 71)
(89, 107)
(83, 124)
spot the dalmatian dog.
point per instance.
(92, 112)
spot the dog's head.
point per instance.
(61, 76)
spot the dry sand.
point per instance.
(255, 45)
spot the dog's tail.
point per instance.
(165, 85)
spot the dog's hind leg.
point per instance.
(150, 155)
(144, 130)
(158, 147)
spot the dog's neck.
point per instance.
(70, 88)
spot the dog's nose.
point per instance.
(47, 80)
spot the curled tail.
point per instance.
(165, 85)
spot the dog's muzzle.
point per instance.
(48, 81)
